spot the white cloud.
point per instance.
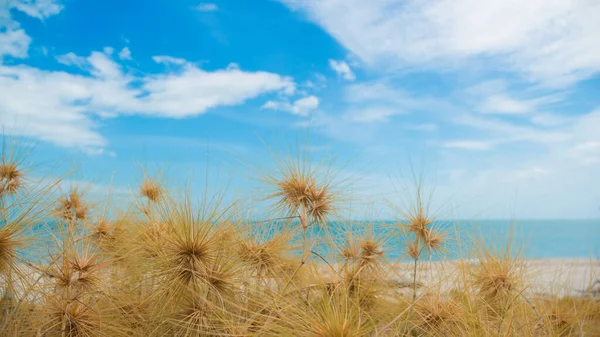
(507, 132)
(318, 82)
(71, 59)
(342, 69)
(14, 43)
(377, 101)
(39, 9)
(495, 97)
(552, 41)
(550, 120)
(13, 40)
(300, 107)
(372, 113)
(168, 60)
(207, 7)
(551, 183)
(469, 145)
(125, 54)
(504, 104)
(64, 108)
(588, 152)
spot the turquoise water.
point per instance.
(530, 238)
(541, 238)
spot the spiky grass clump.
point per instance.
(264, 257)
(417, 230)
(438, 316)
(11, 179)
(72, 206)
(174, 268)
(12, 175)
(9, 242)
(570, 316)
(77, 273)
(151, 189)
(303, 191)
(371, 253)
(498, 278)
(70, 318)
(330, 315)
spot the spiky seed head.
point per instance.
(350, 251)
(261, 257)
(220, 279)
(433, 240)
(81, 213)
(84, 263)
(320, 203)
(8, 245)
(11, 179)
(435, 315)
(264, 257)
(497, 278)
(102, 230)
(293, 191)
(72, 206)
(418, 224)
(151, 189)
(72, 318)
(67, 278)
(412, 250)
(370, 251)
(10, 172)
(190, 256)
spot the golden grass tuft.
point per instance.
(72, 206)
(70, 318)
(437, 316)
(303, 191)
(168, 266)
(151, 189)
(8, 248)
(264, 258)
(370, 252)
(11, 179)
(497, 278)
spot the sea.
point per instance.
(536, 239)
(529, 239)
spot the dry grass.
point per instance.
(167, 266)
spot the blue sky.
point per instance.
(499, 99)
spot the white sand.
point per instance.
(542, 276)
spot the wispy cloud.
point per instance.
(14, 43)
(397, 34)
(207, 7)
(64, 108)
(168, 60)
(301, 107)
(469, 145)
(342, 69)
(13, 40)
(377, 101)
(125, 54)
(39, 9)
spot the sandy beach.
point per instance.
(572, 277)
